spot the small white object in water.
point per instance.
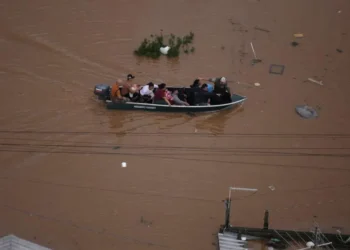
(272, 188)
(124, 164)
(244, 238)
(310, 244)
(257, 84)
(164, 50)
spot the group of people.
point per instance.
(202, 92)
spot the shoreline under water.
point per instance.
(61, 180)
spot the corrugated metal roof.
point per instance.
(12, 242)
(228, 241)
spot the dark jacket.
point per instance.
(191, 95)
(203, 96)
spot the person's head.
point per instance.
(150, 85)
(196, 83)
(223, 80)
(132, 91)
(204, 87)
(129, 77)
(162, 86)
(136, 86)
(119, 81)
(175, 91)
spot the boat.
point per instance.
(102, 91)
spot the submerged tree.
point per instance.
(151, 47)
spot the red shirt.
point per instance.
(159, 95)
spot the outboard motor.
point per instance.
(102, 91)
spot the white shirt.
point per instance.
(146, 91)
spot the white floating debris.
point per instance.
(310, 244)
(164, 50)
(315, 81)
(272, 188)
(257, 84)
(124, 164)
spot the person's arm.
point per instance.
(213, 79)
(167, 101)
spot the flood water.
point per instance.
(61, 181)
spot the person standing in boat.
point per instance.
(162, 95)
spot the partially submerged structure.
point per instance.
(237, 238)
(12, 242)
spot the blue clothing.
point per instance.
(210, 87)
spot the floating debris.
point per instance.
(257, 84)
(164, 50)
(294, 44)
(272, 188)
(298, 35)
(261, 29)
(315, 81)
(255, 60)
(276, 69)
(339, 50)
(306, 112)
(124, 165)
(147, 223)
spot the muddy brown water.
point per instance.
(61, 183)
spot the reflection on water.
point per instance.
(126, 122)
(215, 122)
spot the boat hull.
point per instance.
(237, 101)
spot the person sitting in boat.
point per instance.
(221, 89)
(129, 90)
(203, 97)
(191, 92)
(177, 100)
(133, 95)
(200, 81)
(116, 95)
(220, 85)
(147, 92)
(162, 95)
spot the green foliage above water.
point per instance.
(151, 47)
